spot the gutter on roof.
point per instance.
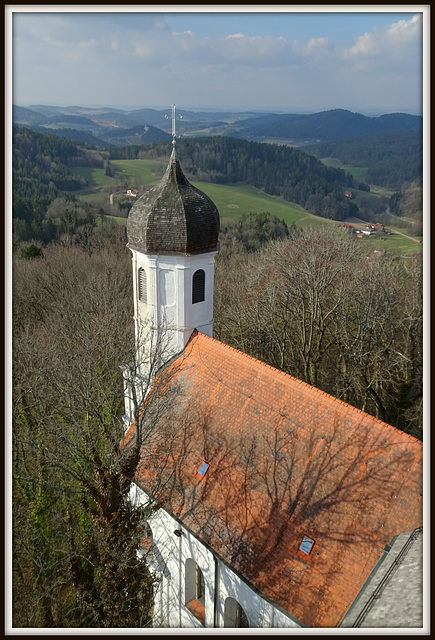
(376, 593)
(380, 586)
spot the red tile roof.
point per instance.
(286, 461)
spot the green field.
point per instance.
(359, 173)
(381, 191)
(146, 172)
(394, 244)
(232, 201)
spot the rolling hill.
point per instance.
(115, 126)
(336, 124)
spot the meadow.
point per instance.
(232, 201)
(359, 173)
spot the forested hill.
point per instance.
(39, 164)
(278, 170)
(392, 158)
(336, 124)
(40, 173)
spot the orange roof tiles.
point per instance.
(286, 460)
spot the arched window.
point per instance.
(198, 286)
(234, 614)
(142, 285)
(194, 594)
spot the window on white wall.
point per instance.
(142, 285)
(198, 286)
(194, 590)
(234, 614)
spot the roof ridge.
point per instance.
(198, 334)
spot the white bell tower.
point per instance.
(173, 234)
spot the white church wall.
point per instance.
(170, 553)
(260, 612)
(200, 315)
(187, 315)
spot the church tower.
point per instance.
(173, 234)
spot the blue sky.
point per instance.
(220, 57)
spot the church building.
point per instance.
(279, 506)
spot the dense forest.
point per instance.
(392, 158)
(278, 170)
(40, 175)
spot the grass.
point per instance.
(359, 173)
(146, 172)
(119, 221)
(381, 191)
(394, 244)
(233, 201)
(93, 176)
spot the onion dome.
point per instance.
(173, 217)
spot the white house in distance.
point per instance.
(279, 505)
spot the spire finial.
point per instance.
(173, 125)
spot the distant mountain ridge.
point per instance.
(337, 124)
(115, 126)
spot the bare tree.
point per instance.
(76, 531)
(320, 308)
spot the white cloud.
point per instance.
(259, 69)
(365, 47)
(384, 45)
(252, 50)
(183, 33)
(143, 49)
(405, 30)
(315, 46)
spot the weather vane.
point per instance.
(173, 123)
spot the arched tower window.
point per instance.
(142, 285)
(198, 286)
(234, 614)
(194, 590)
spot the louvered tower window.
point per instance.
(198, 286)
(142, 285)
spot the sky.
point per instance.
(273, 58)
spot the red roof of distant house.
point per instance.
(286, 461)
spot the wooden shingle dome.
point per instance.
(173, 217)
